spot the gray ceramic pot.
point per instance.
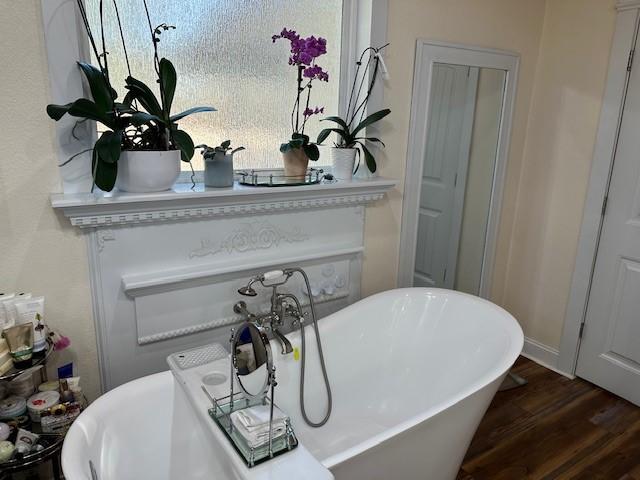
(218, 170)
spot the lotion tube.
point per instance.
(32, 311)
(3, 313)
(10, 309)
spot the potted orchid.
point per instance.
(351, 139)
(141, 147)
(297, 152)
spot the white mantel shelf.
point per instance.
(86, 210)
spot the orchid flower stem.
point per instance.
(124, 45)
(104, 45)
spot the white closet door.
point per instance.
(610, 349)
(444, 172)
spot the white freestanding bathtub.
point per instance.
(412, 372)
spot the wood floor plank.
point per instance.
(555, 428)
(546, 446)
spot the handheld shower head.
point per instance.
(247, 291)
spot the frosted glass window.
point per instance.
(224, 56)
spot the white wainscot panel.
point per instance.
(165, 267)
(170, 286)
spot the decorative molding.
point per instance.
(103, 236)
(226, 321)
(138, 285)
(543, 355)
(259, 235)
(101, 210)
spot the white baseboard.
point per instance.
(543, 355)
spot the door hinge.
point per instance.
(581, 330)
(630, 60)
(455, 181)
(445, 275)
(604, 205)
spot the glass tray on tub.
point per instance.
(220, 413)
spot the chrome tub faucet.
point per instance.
(281, 306)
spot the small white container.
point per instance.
(147, 171)
(40, 402)
(12, 407)
(343, 161)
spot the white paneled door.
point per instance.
(444, 172)
(610, 348)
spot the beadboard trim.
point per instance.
(181, 203)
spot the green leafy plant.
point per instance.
(300, 140)
(350, 130)
(129, 127)
(223, 148)
(350, 138)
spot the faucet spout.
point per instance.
(285, 344)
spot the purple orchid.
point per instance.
(303, 55)
(312, 111)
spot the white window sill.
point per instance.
(185, 202)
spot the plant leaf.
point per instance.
(181, 115)
(144, 95)
(109, 145)
(168, 80)
(140, 118)
(285, 147)
(337, 120)
(324, 134)
(368, 158)
(104, 174)
(102, 94)
(296, 143)
(225, 144)
(84, 108)
(183, 141)
(373, 118)
(312, 151)
(371, 139)
(56, 112)
(236, 150)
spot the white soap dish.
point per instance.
(195, 357)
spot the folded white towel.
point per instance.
(253, 424)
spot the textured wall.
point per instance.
(40, 252)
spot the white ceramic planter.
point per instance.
(218, 171)
(147, 171)
(343, 160)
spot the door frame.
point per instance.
(429, 52)
(624, 40)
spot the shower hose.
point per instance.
(304, 355)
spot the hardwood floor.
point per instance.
(555, 428)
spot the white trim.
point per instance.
(543, 355)
(103, 210)
(428, 53)
(622, 5)
(135, 285)
(604, 152)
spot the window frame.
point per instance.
(364, 23)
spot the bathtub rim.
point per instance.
(516, 343)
